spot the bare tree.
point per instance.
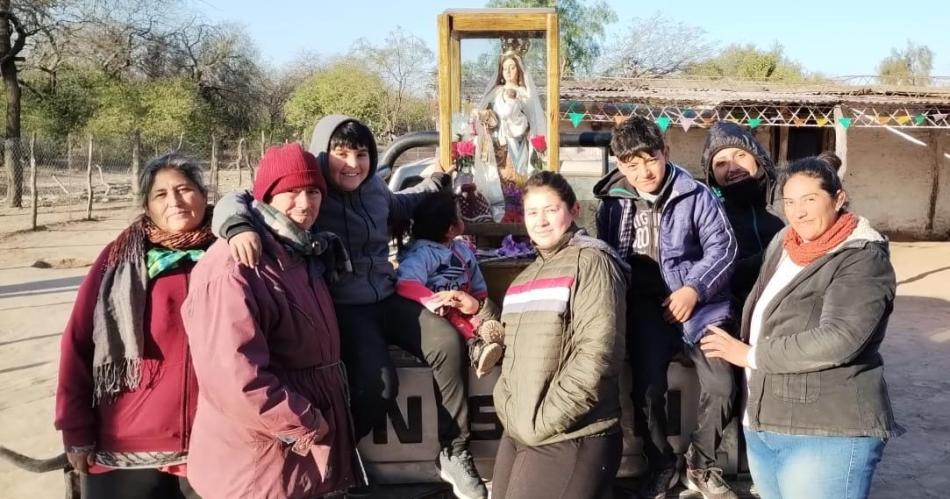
(655, 46)
(405, 63)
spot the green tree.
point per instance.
(345, 87)
(161, 109)
(747, 61)
(581, 24)
(56, 108)
(910, 66)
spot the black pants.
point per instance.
(717, 391)
(367, 330)
(140, 484)
(651, 344)
(576, 469)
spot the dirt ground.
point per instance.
(35, 303)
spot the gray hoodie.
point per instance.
(361, 218)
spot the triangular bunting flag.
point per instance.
(754, 122)
(883, 120)
(618, 119)
(939, 116)
(919, 119)
(798, 121)
(576, 118)
(686, 123)
(845, 122)
(822, 121)
(903, 120)
(663, 122)
(688, 113)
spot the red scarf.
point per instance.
(803, 253)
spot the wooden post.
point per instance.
(69, 152)
(136, 165)
(841, 142)
(552, 36)
(263, 144)
(240, 159)
(214, 168)
(89, 181)
(35, 198)
(445, 91)
(935, 186)
(247, 162)
(782, 146)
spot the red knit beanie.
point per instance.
(285, 168)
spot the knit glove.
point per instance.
(331, 250)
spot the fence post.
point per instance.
(240, 159)
(89, 181)
(136, 162)
(249, 165)
(33, 195)
(69, 152)
(263, 144)
(214, 168)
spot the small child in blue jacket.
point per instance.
(441, 273)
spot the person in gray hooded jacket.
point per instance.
(817, 413)
(359, 208)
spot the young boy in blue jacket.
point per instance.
(674, 233)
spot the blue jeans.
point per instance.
(811, 467)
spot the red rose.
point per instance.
(465, 148)
(539, 143)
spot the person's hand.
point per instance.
(464, 302)
(718, 344)
(81, 461)
(246, 248)
(680, 304)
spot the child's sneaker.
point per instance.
(491, 331)
(484, 355)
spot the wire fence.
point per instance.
(89, 171)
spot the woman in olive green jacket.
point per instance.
(558, 395)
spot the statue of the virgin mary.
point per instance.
(506, 118)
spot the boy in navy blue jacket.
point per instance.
(674, 233)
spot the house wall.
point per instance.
(890, 178)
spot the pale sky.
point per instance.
(834, 37)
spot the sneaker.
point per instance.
(492, 331)
(484, 356)
(459, 470)
(661, 482)
(708, 482)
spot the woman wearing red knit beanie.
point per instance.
(272, 418)
(817, 413)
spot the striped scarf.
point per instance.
(118, 331)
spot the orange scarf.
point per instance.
(803, 253)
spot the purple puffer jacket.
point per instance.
(697, 245)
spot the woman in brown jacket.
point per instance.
(558, 397)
